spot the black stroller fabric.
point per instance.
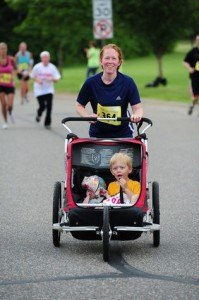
(94, 217)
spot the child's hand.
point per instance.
(88, 197)
(123, 183)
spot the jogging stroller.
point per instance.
(90, 156)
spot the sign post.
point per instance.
(102, 19)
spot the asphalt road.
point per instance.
(32, 159)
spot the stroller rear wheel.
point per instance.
(156, 212)
(56, 212)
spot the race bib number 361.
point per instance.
(109, 112)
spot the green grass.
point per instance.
(142, 70)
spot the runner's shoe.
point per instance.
(190, 110)
(5, 126)
(12, 119)
(37, 119)
(26, 98)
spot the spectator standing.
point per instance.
(92, 54)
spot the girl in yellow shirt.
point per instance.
(121, 166)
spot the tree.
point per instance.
(64, 28)
(192, 25)
(58, 26)
(9, 19)
(159, 23)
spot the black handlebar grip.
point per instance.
(68, 119)
(89, 119)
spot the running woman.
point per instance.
(7, 88)
(110, 93)
(24, 63)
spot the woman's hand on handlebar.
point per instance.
(93, 116)
(135, 118)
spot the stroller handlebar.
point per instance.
(90, 119)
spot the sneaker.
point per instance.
(12, 119)
(47, 126)
(37, 119)
(26, 98)
(5, 126)
(190, 110)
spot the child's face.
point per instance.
(120, 170)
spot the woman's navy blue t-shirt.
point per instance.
(113, 97)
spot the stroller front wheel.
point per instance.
(105, 234)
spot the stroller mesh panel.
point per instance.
(98, 156)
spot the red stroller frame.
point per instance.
(90, 156)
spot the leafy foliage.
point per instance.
(64, 27)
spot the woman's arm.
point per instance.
(188, 67)
(82, 111)
(137, 112)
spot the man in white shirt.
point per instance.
(44, 75)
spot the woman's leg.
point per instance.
(48, 101)
(3, 106)
(41, 102)
(10, 101)
(24, 89)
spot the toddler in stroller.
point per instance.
(95, 189)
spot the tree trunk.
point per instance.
(160, 68)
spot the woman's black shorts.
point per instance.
(195, 86)
(20, 76)
(7, 89)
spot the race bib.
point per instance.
(23, 66)
(109, 112)
(5, 78)
(197, 66)
(116, 199)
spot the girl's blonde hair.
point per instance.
(123, 157)
(3, 46)
(116, 48)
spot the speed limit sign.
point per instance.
(102, 19)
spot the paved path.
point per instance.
(32, 159)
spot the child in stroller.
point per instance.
(123, 189)
(95, 189)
